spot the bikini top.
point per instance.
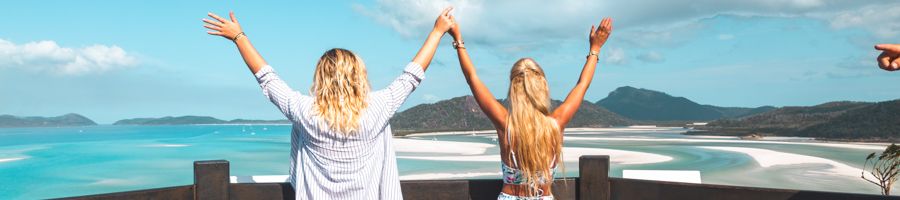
(515, 176)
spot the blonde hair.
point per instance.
(537, 136)
(340, 87)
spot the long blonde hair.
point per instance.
(340, 87)
(536, 135)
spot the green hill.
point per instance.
(834, 120)
(70, 119)
(649, 105)
(462, 113)
(187, 120)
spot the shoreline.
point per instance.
(704, 137)
(568, 130)
(700, 132)
(864, 146)
(768, 159)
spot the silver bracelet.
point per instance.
(459, 45)
(238, 36)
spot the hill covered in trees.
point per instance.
(462, 114)
(649, 105)
(71, 119)
(188, 120)
(841, 120)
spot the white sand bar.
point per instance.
(570, 154)
(11, 159)
(768, 158)
(451, 133)
(579, 130)
(167, 145)
(877, 146)
(431, 146)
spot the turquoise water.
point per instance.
(57, 162)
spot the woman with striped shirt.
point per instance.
(340, 141)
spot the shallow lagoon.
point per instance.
(59, 162)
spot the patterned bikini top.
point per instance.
(515, 176)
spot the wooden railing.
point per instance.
(211, 181)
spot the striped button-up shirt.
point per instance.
(329, 165)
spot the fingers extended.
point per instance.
(888, 47)
(214, 16)
(609, 25)
(213, 27)
(211, 22)
(233, 19)
(604, 23)
(447, 10)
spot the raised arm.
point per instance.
(403, 85)
(231, 30)
(441, 25)
(275, 89)
(567, 109)
(486, 101)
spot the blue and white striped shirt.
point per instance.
(329, 165)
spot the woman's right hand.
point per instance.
(444, 21)
(890, 56)
(229, 29)
(600, 34)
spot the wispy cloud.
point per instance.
(725, 37)
(616, 56)
(651, 56)
(510, 24)
(47, 56)
(881, 19)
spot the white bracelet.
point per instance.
(594, 53)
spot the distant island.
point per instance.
(71, 119)
(188, 120)
(840, 120)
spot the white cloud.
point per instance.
(882, 20)
(47, 56)
(616, 56)
(516, 25)
(725, 36)
(651, 56)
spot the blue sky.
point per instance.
(114, 60)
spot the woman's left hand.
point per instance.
(228, 29)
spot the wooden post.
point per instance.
(593, 177)
(211, 179)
